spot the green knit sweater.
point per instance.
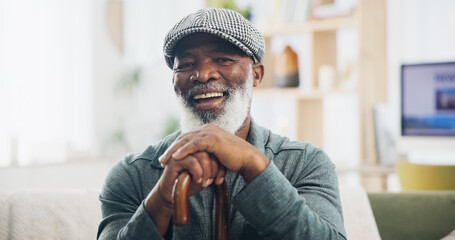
(295, 197)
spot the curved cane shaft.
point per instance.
(181, 205)
(180, 198)
(221, 212)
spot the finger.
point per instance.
(167, 155)
(173, 170)
(184, 135)
(191, 164)
(215, 166)
(206, 164)
(198, 144)
(220, 176)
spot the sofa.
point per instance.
(414, 214)
(49, 214)
(75, 214)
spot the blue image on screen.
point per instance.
(445, 99)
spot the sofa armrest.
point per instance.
(359, 221)
(414, 215)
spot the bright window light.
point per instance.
(45, 80)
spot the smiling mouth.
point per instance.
(206, 96)
(210, 100)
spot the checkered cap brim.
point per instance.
(224, 23)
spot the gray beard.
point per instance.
(233, 114)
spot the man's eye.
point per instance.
(223, 60)
(184, 65)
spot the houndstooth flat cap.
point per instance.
(224, 23)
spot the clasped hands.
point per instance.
(206, 154)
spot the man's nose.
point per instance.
(204, 72)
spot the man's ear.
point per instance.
(258, 74)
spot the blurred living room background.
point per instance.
(82, 83)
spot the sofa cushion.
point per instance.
(51, 215)
(3, 214)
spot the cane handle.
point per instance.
(181, 198)
(181, 205)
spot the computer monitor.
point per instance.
(428, 99)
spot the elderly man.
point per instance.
(278, 189)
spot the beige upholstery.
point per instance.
(359, 220)
(50, 215)
(76, 215)
(3, 215)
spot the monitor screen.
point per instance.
(428, 99)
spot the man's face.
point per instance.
(213, 80)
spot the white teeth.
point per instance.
(208, 95)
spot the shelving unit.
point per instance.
(315, 26)
(369, 20)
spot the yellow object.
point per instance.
(425, 177)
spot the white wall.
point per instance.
(46, 55)
(417, 31)
(140, 114)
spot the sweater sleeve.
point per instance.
(308, 210)
(123, 212)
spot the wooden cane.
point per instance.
(181, 205)
(221, 212)
(181, 198)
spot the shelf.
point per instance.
(277, 92)
(309, 111)
(297, 93)
(330, 24)
(367, 170)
